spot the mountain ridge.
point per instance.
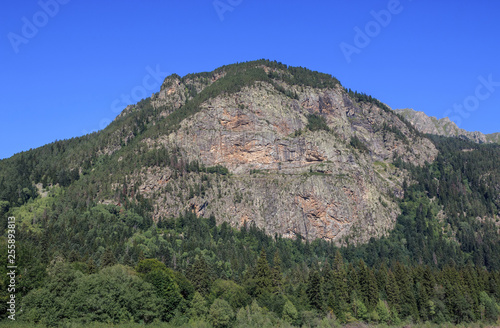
(445, 127)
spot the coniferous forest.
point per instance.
(106, 263)
(82, 262)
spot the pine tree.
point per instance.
(340, 278)
(422, 301)
(383, 312)
(352, 281)
(408, 304)
(368, 286)
(200, 276)
(471, 282)
(314, 290)
(290, 313)
(428, 281)
(338, 297)
(108, 258)
(276, 274)
(91, 267)
(392, 291)
(263, 276)
(381, 276)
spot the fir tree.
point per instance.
(263, 276)
(314, 290)
(277, 275)
(199, 275)
(352, 281)
(392, 291)
(408, 303)
(107, 258)
(368, 286)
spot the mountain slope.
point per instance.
(309, 182)
(444, 127)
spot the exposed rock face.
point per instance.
(255, 130)
(444, 127)
(309, 183)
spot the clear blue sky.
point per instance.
(66, 78)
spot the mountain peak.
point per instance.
(444, 127)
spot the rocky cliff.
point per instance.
(288, 176)
(444, 127)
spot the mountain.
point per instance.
(257, 191)
(444, 127)
(305, 156)
(287, 175)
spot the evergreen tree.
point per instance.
(381, 276)
(368, 286)
(199, 275)
(263, 277)
(428, 281)
(408, 305)
(470, 280)
(383, 312)
(314, 290)
(457, 301)
(422, 301)
(352, 281)
(91, 267)
(338, 297)
(277, 275)
(108, 258)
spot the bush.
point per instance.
(358, 144)
(316, 123)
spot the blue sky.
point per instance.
(69, 66)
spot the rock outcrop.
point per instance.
(444, 127)
(284, 177)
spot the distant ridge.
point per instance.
(444, 127)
